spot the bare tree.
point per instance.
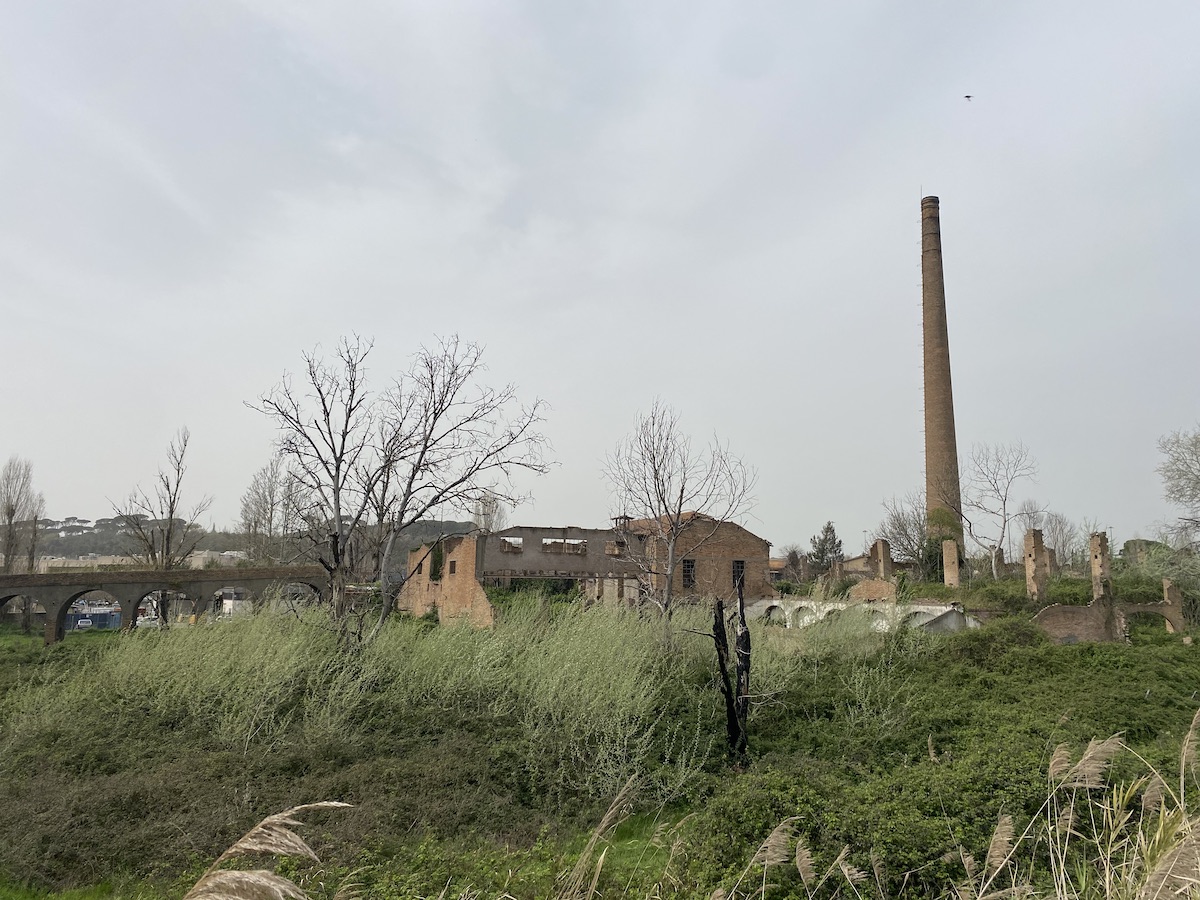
(988, 502)
(16, 497)
(162, 533)
(1180, 471)
(490, 514)
(905, 527)
(796, 563)
(663, 488)
(263, 511)
(378, 463)
(1063, 536)
(37, 509)
(1030, 514)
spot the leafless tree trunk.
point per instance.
(37, 509)
(377, 464)
(161, 533)
(663, 487)
(16, 497)
(735, 688)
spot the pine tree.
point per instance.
(826, 550)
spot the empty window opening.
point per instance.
(689, 573)
(559, 545)
(453, 566)
(511, 545)
(614, 548)
(739, 572)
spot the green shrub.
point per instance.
(473, 752)
(1069, 591)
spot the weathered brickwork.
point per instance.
(454, 591)
(708, 555)
(1037, 565)
(881, 559)
(1101, 576)
(943, 497)
(873, 589)
(950, 563)
(1108, 620)
(1072, 624)
(600, 561)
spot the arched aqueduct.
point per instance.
(55, 593)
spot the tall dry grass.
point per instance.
(597, 695)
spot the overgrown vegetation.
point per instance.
(479, 760)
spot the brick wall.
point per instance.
(1072, 624)
(456, 594)
(714, 561)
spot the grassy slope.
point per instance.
(470, 754)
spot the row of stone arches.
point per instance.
(55, 612)
(802, 616)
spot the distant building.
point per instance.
(450, 576)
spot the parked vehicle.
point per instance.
(83, 624)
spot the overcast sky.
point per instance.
(713, 203)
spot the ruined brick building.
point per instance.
(451, 575)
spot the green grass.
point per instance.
(483, 758)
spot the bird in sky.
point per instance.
(967, 97)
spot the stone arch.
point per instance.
(917, 619)
(804, 615)
(5, 598)
(66, 614)
(251, 594)
(1150, 615)
(16, 609)
(69, 614)
(877, 620)
(314, 591)
(774, 615)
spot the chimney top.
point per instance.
(929, 203)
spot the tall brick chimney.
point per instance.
(943, 497)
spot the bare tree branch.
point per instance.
(663, 487)
(163, 535)
(988, 496)
(1180, 471)
(369, 466)
(16, 501)
(905, 527)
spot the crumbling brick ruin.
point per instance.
(1106, 618)
(1037, 565)
(450, 577)
(1101, 566)
(881, 559)
(950, 574)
